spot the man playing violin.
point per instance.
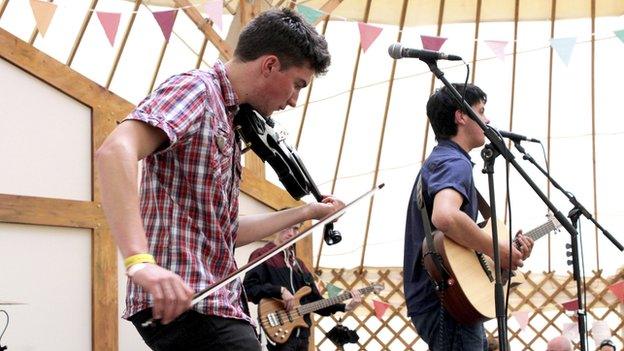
(181, 235)
(450, 197)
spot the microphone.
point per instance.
(396, 51)
(517, 137)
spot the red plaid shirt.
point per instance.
(189, 191)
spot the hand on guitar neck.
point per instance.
(519, 251)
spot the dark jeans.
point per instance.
(440, 331)
(196, 331)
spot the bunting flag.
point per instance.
(368, 34)
(618, 290)
(570, 331)
(600, 331)
(110, 23)
(522, 317)
(432, 43)
(214, 11)
(380, 308)
(563, 47)
(332, 290)
(571, 305)
(165, 20)
(620, 34)
(311, 15)
(43, 12)
(497, 47)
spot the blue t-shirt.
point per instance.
(448, 166)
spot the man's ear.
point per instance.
(269, 63)
(460, 117)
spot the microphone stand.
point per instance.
(497, 144)
(577, 210)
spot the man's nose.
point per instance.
(293, 99)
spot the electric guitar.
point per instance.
(278, 323)
(469, 296)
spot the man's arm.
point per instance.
(447, 217)
(255, 227)
(116, 161)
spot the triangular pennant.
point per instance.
(563, 47)
(571, 305)
(522, 317)
(165, 20)
(600, 331)
(497, 47)
(380, 308)
(110, 23)
(368, 34)
(214, 11)
(432, 43)
(332, 290)
(618, 290)
(620, 34)
(570, 331)
(311, 15)
(43, 12)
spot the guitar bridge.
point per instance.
(274, 319)
(485, 266)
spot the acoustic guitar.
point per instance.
(278, 323)
(469, 296)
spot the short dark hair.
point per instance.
(285, 34)
(441, 108)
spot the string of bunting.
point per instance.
(380, 306)
(44, 11)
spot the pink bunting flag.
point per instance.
(497, 47)
(214, 11)
(522, 317)
(380, 308)
(43, 12)
(432, 43)
(368, 34)
(571, 305)
(165, 20)
(618, 290)
(110, 23)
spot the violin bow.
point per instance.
(274, 251)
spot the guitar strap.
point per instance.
(442, 284)
(486, 212)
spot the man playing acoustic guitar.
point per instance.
(451, 201)
(280, 277)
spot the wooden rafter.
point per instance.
(205, 26)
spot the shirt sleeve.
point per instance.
(454, 173)
(177, 107)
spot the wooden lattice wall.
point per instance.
(541, 295)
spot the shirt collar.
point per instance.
(230, 98)
(453, 145)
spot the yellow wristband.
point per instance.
(138, 258)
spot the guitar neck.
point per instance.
(320, 304)
(541, 230)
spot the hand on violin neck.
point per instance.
(329, 205)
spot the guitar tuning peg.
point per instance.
(568, 253)
(568, 246)
(569, 262)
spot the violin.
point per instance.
(259, 135)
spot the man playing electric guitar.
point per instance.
(451, 201)
(280, 277)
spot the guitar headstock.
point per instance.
(377, 288)
(555, 223)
